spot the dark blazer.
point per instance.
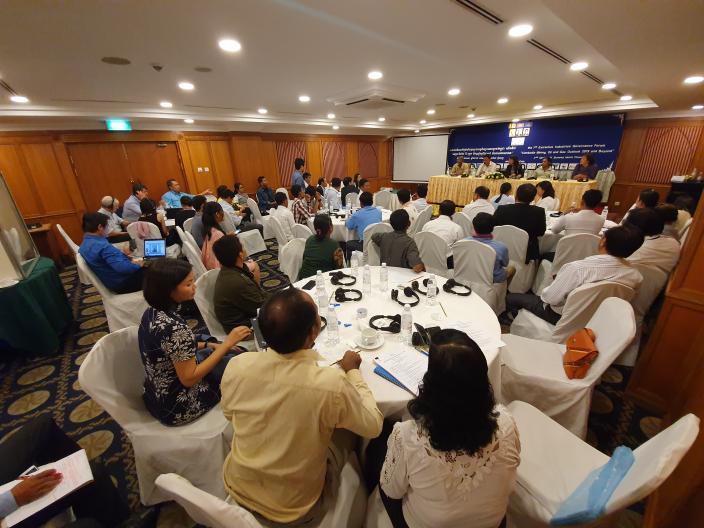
(530, 218)
(513, 172)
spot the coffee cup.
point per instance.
(369, 336)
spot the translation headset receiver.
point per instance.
(342, 279)
(323, 323)
(393, 327)
(451, 284)
(408, 292)
(416, 287)
(341, 295)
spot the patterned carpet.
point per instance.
(31, 387)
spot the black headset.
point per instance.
(408, 292)
(394, 326)
(341, 295)
(451, 284)
(416, 287)
(337, 278)
(324, 323)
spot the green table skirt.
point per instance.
(35, 312)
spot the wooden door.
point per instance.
(221, 164)
(18, 181)
(201, 164)
(152, 163)
(101, 169)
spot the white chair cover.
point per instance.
(684, 232)
(605, 178)
(371, 250)
(352, 199)
(433, 252)
(579, 307)
(283, 190)
(420, 221)
(554, 462)
(464, 222)
(189, 248)
(376, 512)
(532, 371)
(187, 224)
(474, 265)
(383, 199)
(259, 219)
(517, 242)
(154, 232)
(301, 231)
(278, 231)
(113, 375)
(252, 241)
(569, 249)
(291, 258)
(121, 310)
(205, 293)
(73, 247)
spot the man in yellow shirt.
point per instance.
(460, 168)
(285, 409)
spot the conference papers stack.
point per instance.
(483, 337)
(404, 366)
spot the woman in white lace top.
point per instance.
(455, 463)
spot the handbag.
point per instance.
(581, 353)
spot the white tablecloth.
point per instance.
(341, 233)
(391, 399)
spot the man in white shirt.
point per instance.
(445, 228)
(617, 244)
(545, 170)
(404, 198)
(658, 250)
(332, 194)
(283, 214)
(460, 168)
(225, 199)
(647, 198)
(480, 203)
(421, 203)
(115, 224)
(487, 167)
(583, 221)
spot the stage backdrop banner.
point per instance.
(563, 139)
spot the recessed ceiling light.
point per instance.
(431, 111)
(19, 99)
(336, 127)
(165, 104)
(626, 97)
(470, 116)
(188, 121)
(608, 86)
(515, 120)
(262, 110)
(579, 66)
(416, 131)
(694, 79)
(453, 91)
(230, 45)
(185, 85)
(375, 75)
(382, 119)
(502, 100)
(538, 107)
(422, 121)
(697, 107)
(331, 116)
(521, 30)
(304, 98)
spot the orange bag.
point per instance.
(581, 353)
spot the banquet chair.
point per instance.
(605, 178)
(464, 222)
(301, 231)
(278, 230)
(112, 374)
(684, 231)
(383, 199)
(205, 293)
(172, 251)
(252, 241)
(516, 241)
(554, 463)
(121, 309)
(352, 199)
(433, 252)
(291, 258)
(192, 254)
(283, 190)
(187, 224)
(369, 248)
(73, 247)
(569, 248)
(260, 219)
(580, 305)
(532, 370)
(654, 280)
(474, 265)
(420, 221)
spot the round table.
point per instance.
(340, 232)
(390, 398)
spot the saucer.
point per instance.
(374, 346)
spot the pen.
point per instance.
(443, 309)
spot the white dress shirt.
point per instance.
(548, 203)
(584, 221)
(485, 170)
(504, 199)
(443, 226)
(420, 204)
(542, 173)
(660, 251)
(450, 489)
(411, 210)
(478, 206)
(591, 269)
(230, 212)
(285, 218)
(333, 198)
(114, 222)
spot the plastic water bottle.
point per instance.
(605, 212)
(384, 277)
(406, 325)
(333, 335)
(367, 279)
(432, 296)
(354, 263)
(362, 319)
(319, 280)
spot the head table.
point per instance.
(340, 231)
(470, 310)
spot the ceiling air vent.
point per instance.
(481, 11)
(7, 87)
(542, 47)
(375, 97)
(592, 77)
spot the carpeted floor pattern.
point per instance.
(34, 386)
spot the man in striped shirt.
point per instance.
(300, 207)
(610, 264)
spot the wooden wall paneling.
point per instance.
(352, 157)
(17, 177)
(667, 151)
(187, 164)
(222, 167)
(48, 179)
(101, 169)
(152, 163)
(249, 157)
(66, 168)
(369, 160)
(314, 160)
(269, 164)
(334, 160)
(383, 160)
(286, 153)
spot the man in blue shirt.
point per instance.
(265, 196)
(483, 227)
(115, 270)
(173, 196)
(297, 176)
(359, 221)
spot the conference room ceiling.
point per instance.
(51, 53)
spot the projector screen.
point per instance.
(417, 158)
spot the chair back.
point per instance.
(86, 270)
(383, 199)
(71, 244)
(654, 280)
(655, 460)
(557, 204)
(278, 230)
(371, 250)
(187, 224)
(474, 262)
(205, 509)
(133, 230)
(192, 254)
(291, 258)
(420, 221)
(252, 241)
(464, 222)
(583, 302)
(433, 252)
(283, 190)
(684, 232)
(574, 247)
(604, 180)
(205, 292)
(516, 240)
(301, 231)
(256, 213)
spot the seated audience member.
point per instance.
(364, 185)
(658, 250)
(115, 270)
(282, 213)
(238, 294)
(187, 211)
(685, 208)
(241, 197)
(300, 207)
(183, 370)
(480, 203)
(39, 442)
(421, 202)
(583, 221)
(265, 196)
(441, 470)
(306, 180)
(172, 197)
(332, 194)
(322, 185)
(131, 210)
(197, 224)
(321, 252)
(546, 195)
(483, 227)
(617, 244)
(212, 231)
(361, 219)
(290, 415)
(514, 169)
(116, 225)
(545, 170)
(397, 249)
(404, 199)
(647, 199)
(349, 187)
(669, 214)
(443, 225)
(314, 199)
(523, 215)
(460, 168)
(152, 216)
(225, 199)
(486, 167)
(586, 169)
(504, 197)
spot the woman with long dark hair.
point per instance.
(514, 169)
(213, 215)
(321, 252)
(504, 197)
(152, 216)
(546, 196)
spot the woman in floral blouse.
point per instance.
(183, 371)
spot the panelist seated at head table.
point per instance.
(460, 168)
(486, 167)
(586, 169)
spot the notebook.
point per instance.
(404, 366)
(154, 248)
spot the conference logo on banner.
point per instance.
(563, 139)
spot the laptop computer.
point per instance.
(154, 248)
